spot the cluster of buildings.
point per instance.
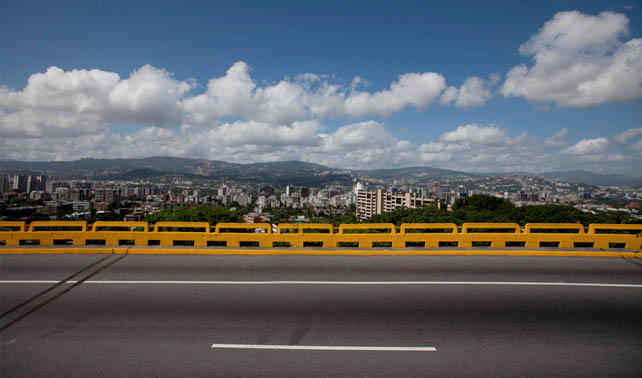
(80, 199)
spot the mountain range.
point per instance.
(279, 173)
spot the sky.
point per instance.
(474, 86)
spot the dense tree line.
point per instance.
(483, 208)
(476, 208)
(210, 214)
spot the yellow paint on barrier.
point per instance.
(55, 251)
(365, 236)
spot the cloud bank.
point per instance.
(577, 60)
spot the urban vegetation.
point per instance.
(489, 209)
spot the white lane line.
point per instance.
(325, 347)
(32, 281)
(382, 283)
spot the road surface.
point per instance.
(319, 316)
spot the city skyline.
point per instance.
(547, 87)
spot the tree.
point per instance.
(210, 214)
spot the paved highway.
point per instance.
(319, 316)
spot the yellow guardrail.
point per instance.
(364, 235)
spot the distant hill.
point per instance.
(290, 165)
(292, 172)
(399, 173)
(585, 177)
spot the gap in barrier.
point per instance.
(382, 244)
(448, 244)
(312, 244)
(216, 243)
(617, 245)
(9, 228)
(491, 231)
(95, 242)
(181, 229)
(182, 243)
(29, 242)
(63, 242)
(374, 230)
(348, 244)
(516, 243)
(235, 230)
(554, 231)
(481, 244)
(153, 242)
(119, 229)
(281, 244)
(125, 242)
(315, 230)
(428, 230)
(249, 243)
(549, 244)
(3, 242)
(57, 228)
(583, 245)
(410, 244)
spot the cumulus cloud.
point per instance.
(558, 139)
(65, 115)
(473, 92)
(434, 147)
(579, 60)
(626, 136)
(83, 101)
(308, 96)
(86, 101)
(475, 133)
(412, 89)
(483, 148)
(587, 147)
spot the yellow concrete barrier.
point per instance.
(364, 236)
(36, 225)
(559, 227)
(11, 226)
(120, 226)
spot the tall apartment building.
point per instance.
(4, 183)
(372, 202)
(107, 195)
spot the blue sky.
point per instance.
(440, 83)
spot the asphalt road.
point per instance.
(147, 316)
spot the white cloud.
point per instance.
(558, 139)
(625, 137)
(73, 114)
(150, 96)
(84, 101)
(587, 147)
(449, 95)
(474, 92)
(308, 96)
(443, 147)
(256, 133)
(476, 134)
(637, 145)
(579, 60)
(435, 157)
(355, 135)
(412, 89)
